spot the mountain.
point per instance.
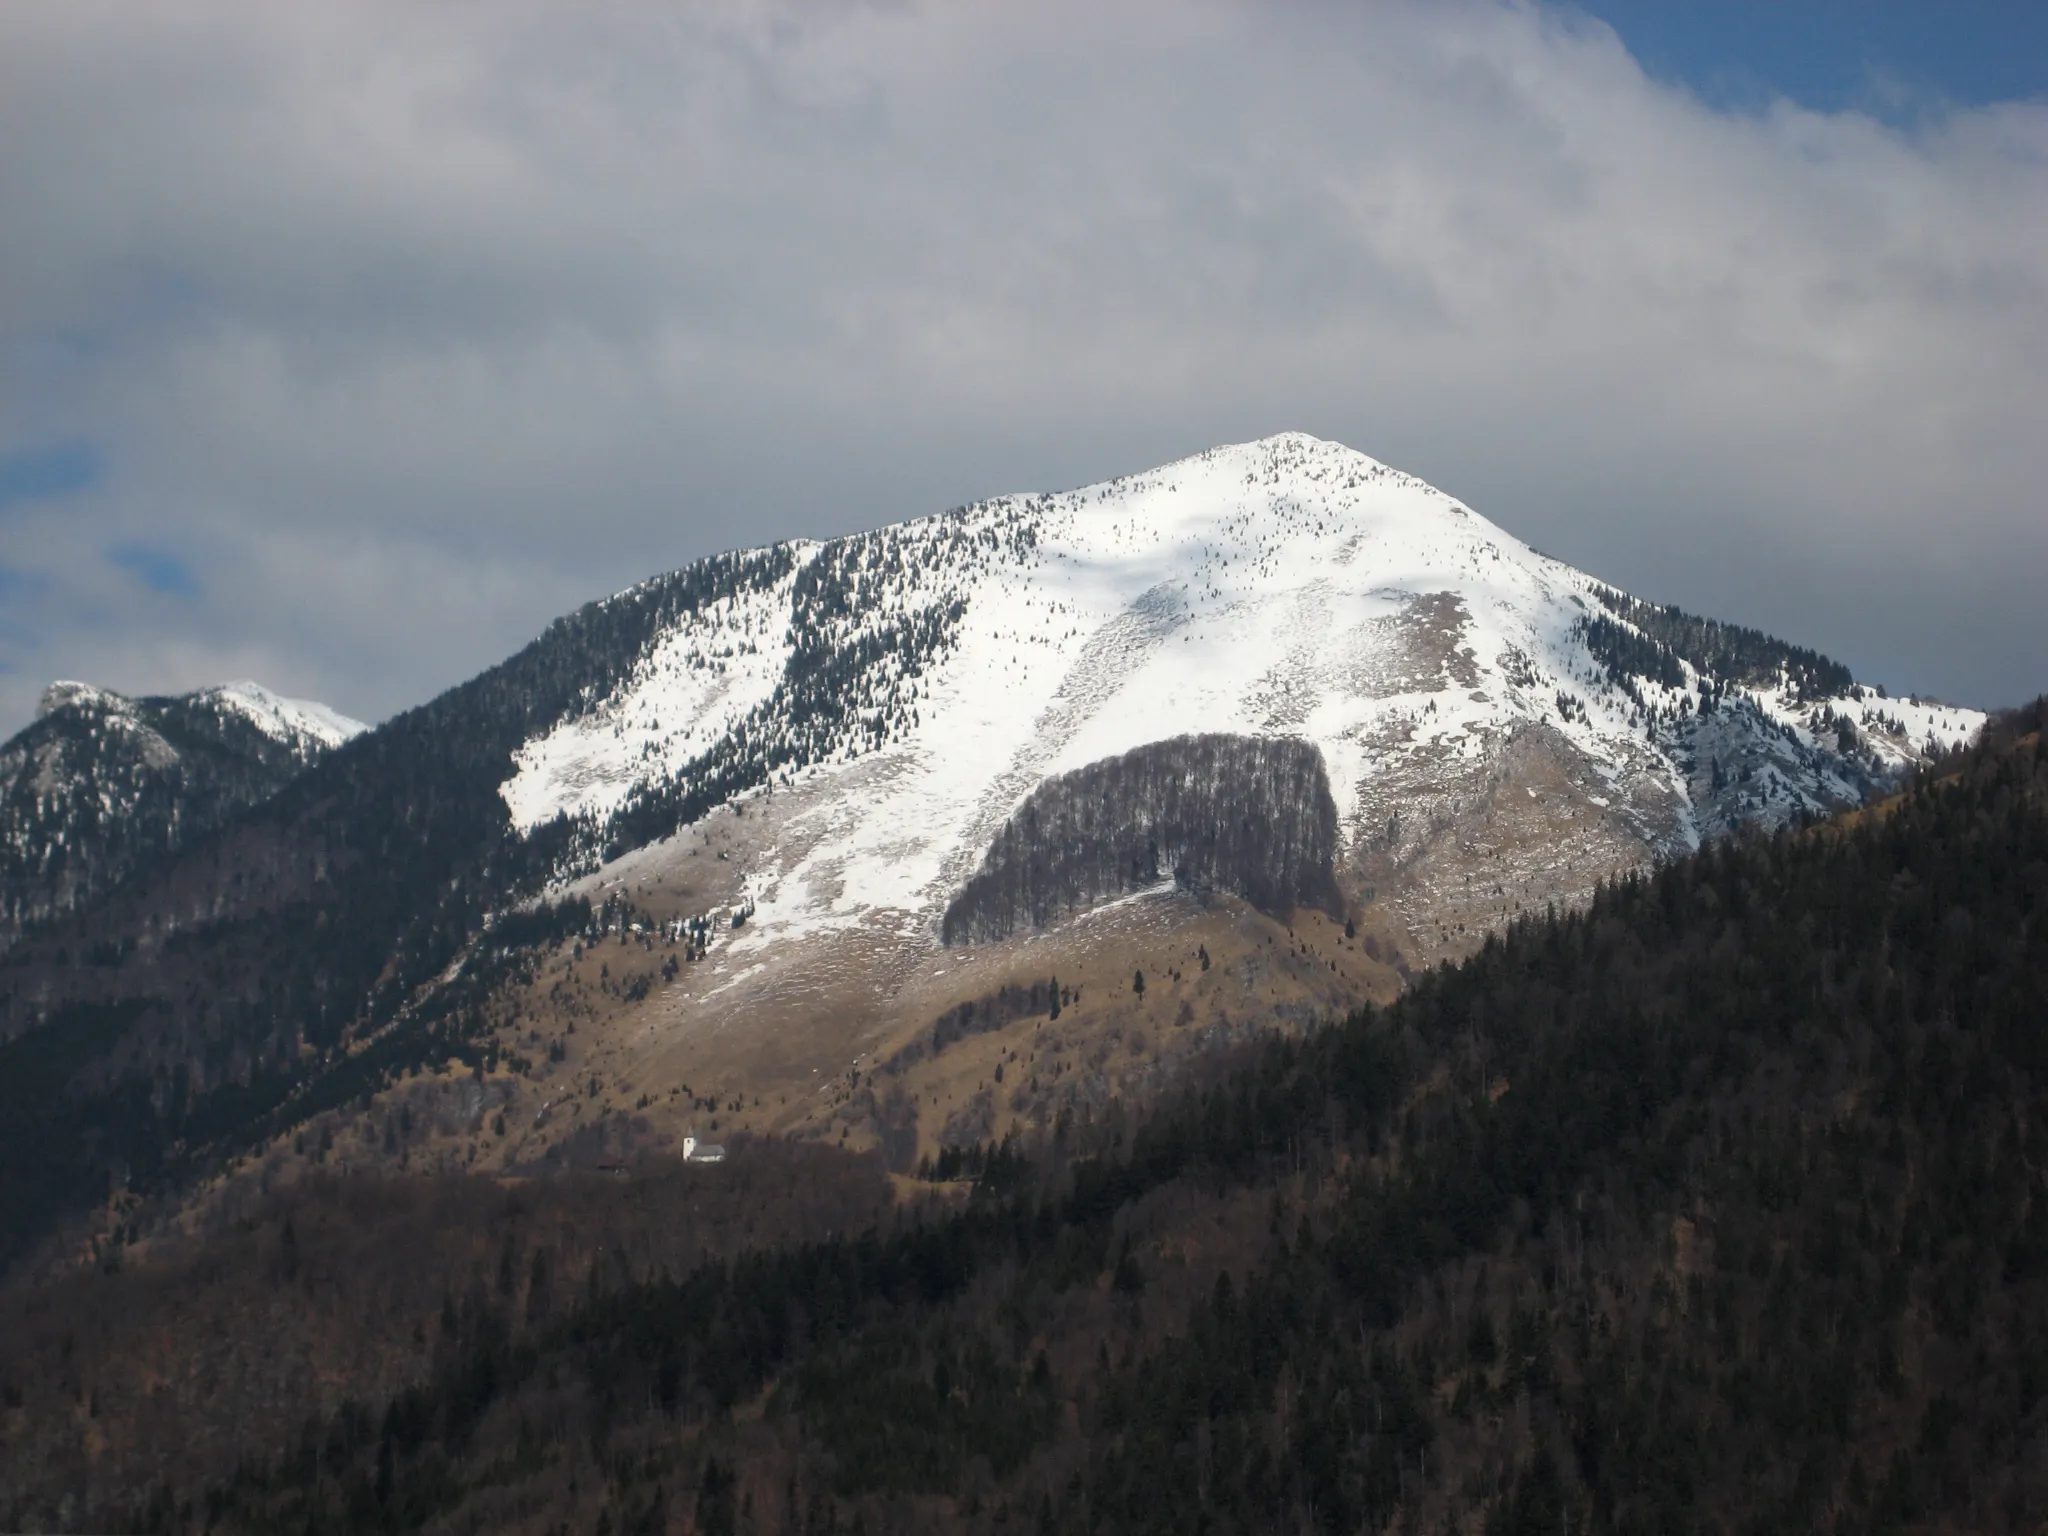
(1230, 745)
(1718, 1205)
(1286, 588)
(101, 783)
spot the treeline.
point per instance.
(1654, 638)
(870, 615)
(994, 1168)
(549, 922)
(1249, 815)
(984, 1015)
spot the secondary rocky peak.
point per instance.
(68, 695)
(101, 783)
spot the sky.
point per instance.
(344, 346)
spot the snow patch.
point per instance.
(700, 681)
(283, 719)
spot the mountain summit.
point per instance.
(99, 782)
(916, 684)
(912, 837)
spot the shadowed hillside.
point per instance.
(1722, 1206)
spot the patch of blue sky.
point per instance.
(1894, 59)
(49, 470)
(19, 594)
(21, 613)
(157, 569)
(18, 585)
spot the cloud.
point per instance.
(425, 323)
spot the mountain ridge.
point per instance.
(1169, 563)
(864, 715)
(100, 782)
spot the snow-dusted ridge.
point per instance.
(914, 684)
(290, 721)
(285, 719)
(99, 782)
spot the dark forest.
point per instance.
(1249, 815)
(1719, 1206)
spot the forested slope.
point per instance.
(1246, 814)
(1721, 1206)
(186, 1015)
(98, 785)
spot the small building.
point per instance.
(695, 1151)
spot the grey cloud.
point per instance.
(417, 325)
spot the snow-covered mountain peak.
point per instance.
(100, 782)
(831, 804)
(294, 722)
(64, 694)
(285, 719)
(913, 685)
